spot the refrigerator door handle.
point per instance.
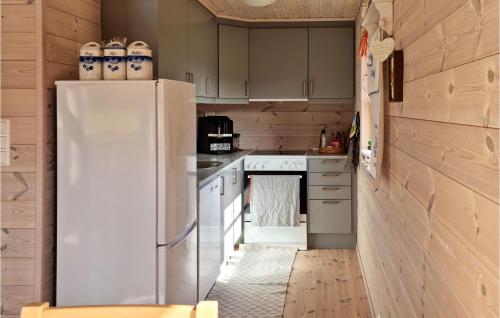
(180, 237)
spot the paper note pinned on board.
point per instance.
(382, 49)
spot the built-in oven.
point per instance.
(303, 186)
(276, 163)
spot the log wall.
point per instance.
(428, 238)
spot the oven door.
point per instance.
(303, 186)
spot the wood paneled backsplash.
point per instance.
(428, 238)
(283, 125)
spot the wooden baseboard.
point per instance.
(365, 282)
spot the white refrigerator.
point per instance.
(126, 193)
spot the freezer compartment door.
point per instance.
(178, 269)
(177, 177)
(106, 193)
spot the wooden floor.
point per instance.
(326, 283)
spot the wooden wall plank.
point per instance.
(23, 130)
(17, 102)
(70, 27)
(86, 9)
(17, 186)
(440, 169)
(60, 72)
(61, 50)
(18, 46)
(474, 285)
(17, 243)
(22, 159)
(17, 271)
(464, 95)
(18, 74)
(294, 126)
(469, 33)
(18, 18)
(257, 107)
(17, 214)
(466, 153)
(279, 142)
(14, 297)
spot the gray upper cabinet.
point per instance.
(172, 39)
(331, 63)
(202, 50)
(233, 62)
(278, 63)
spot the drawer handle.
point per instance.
(331, 189)
(331, 160)
(331, 174)
(330, 202)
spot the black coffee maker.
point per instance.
(215, 135)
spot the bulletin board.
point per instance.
(378, 28)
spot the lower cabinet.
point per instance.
(330, 216)
(209, 223)
(329, 197)
(231, 208)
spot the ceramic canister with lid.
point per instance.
(139, 61)
(115, 61)
(90, 67)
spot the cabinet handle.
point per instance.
(207, 83)
(311, 87)
(246, 88)
(235, 175)
(330, 202)
(330, 188)
(222, 186)
(331, 160)
(331, 174)
(304, 88)
(187, 77)
(192, 78)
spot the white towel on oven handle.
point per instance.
(275, 200)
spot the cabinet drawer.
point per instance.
(328, 165)
(330, 192)
(329, 216)
(330, 178)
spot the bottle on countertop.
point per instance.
(322, 142)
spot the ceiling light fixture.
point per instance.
(259, 3)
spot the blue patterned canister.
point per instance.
(90, 68)
(115, 61)
(139, 61)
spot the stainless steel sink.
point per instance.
(201, 164)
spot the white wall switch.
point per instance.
(4, 142)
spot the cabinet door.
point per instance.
(331, 62)
(202, 49)
(278, 63)
(330, 216)
(211, 58)
(196, 46)
(172, 39)
(233, 62)
(209, 237)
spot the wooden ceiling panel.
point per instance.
(285, 10)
